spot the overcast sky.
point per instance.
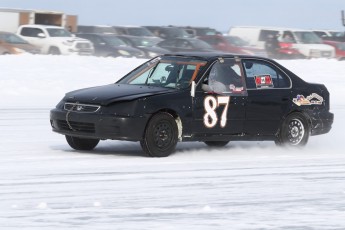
(220, 14)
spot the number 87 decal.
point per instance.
(211, 104)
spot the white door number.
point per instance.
(211, 103)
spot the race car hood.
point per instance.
(107, 94)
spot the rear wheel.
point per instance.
(295, 131)
(78, 143)
(216, 143)
(160, 138)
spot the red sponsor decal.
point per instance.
(263, 81)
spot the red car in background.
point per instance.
(232, 44)
(339, 49)
(286, 51)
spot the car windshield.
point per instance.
(338, 34)
(167, 72)
(145, 42)
(205, 31)
(139, 31)
(198, 44)
(307, 37)
(12, 39)
(114, 41)
(104, 30)
(176, 32)
(57, 32)
(237, 41)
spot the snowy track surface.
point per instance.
(246, 185)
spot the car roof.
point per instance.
(42, 26)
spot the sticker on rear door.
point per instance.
(263, 81)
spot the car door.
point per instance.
(31, 35)
(219, 108)
(269, 97)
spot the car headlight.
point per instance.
(19, 51)
(124, 52)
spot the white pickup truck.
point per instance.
(55, 40)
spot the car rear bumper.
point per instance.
(323, 124)
(96, 125)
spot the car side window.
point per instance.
(30, 32)
(262, 75)
(167, 43)
(226, 77)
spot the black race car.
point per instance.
(208, 97)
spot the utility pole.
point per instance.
(343, 17)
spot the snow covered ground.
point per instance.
(44, 184)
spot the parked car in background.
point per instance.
(54, 40)
(200, 31)
(148, 45)
(185, 45)
(109, 45)
(3, 50)
(232, 44)
(16, 45)
(331, 35)
(325, 34)
(97, 29)
(339, 36)
(138, 31)
(339, 49)
(306, 42)
(167, 32)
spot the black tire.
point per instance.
(54, 51)
(161, 134)
(78, 143)
(216, 144)
(295, 131)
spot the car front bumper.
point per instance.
(97, 125)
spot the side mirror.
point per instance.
(192, 89)
(41, 35)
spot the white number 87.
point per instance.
(211, 104)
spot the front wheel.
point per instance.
(161, 134)
(78, 143)
(295, 131)
(54, 51)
